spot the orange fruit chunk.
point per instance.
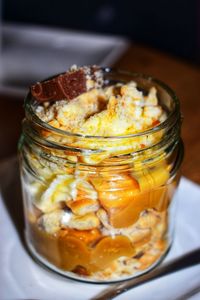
(110, 249)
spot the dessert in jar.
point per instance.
(100, 154)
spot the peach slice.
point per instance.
(129, 215)
(158, 198)
(125, 217)
(73, 252)
(115, 199)
(115, 192)
(152, 178)
(89, 237)
(110, 249)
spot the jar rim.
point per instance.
(170, 117)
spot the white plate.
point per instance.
(22, 278)
(30, 53)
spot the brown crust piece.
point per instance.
(65, 86)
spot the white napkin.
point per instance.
(22, 278)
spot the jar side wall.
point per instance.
(101, 208)
(125, 214)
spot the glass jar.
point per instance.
(96, 208)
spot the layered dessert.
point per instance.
(97, 208)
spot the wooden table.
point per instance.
(180, 76)
(184, 79)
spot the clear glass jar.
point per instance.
(96, 208)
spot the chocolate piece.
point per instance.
(47, 91)
(72, 84)
(68, 85)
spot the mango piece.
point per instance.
(110, 249)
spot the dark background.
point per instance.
(169, 25)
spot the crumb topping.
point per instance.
(116, 110)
